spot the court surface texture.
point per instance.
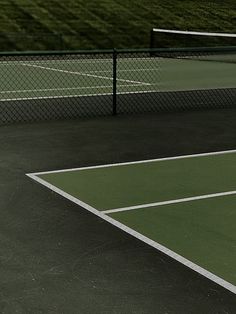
(166, 179)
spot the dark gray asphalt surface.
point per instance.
(57, 258)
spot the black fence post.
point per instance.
(114, 93)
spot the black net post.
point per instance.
(152, 39)
(114, 92)
(152, 44)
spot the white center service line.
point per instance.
(180, 200)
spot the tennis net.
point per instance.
(215, 54)
(166, 38)
(181, 79)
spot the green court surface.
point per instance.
(36, 79)
(184, 206)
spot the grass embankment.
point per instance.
(80, 24)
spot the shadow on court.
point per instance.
(57, 258)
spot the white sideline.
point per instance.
(156, 245)
(63, 88)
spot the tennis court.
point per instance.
(42, 79)
(183, 206)
(110, 228)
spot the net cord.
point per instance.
(160, 30)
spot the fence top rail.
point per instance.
(173, 50)
(119, 51)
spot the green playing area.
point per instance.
(183, 206)
(37, 79)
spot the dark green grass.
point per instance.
(105, 24)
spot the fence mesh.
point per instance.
(59, 85)
(178, 79)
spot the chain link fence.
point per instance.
(59, 85)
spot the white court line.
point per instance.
(143, 91)
(232, 151)
(66, 61)
(63, 88)
(129, 70)
(83, 74)
(180, 200)
(227, 285)
(76, 95)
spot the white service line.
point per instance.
(180, 200)
(83, 74)
(220, 281)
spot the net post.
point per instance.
(151, 42)
(151, 39)
(114, 92)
